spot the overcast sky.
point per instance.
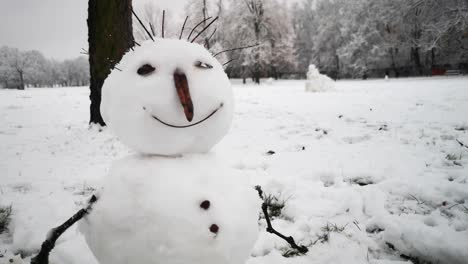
(57, 28)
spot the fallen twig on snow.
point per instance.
(270, 229)
(43, 256)
(462, 144)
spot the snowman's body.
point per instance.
(173, 203)
(150, 212)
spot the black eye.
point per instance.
(203, 65)
(145, 69)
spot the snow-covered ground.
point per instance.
(369, 173)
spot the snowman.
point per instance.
(317, 82)
(174, 202)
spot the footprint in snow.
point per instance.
(361, 180)
(21, 187)
(430, 221)
(13, 107)
(357, 139)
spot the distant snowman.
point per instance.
(173, 202)
(317, 82)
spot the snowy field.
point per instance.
(369, 173)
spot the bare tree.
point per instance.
(7, 72)
(202, 10)
(152, 16)
(19, 65)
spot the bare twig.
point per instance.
(83, 51)
(112, 64)
(457, 204)
(258, 188)
(239, 48)
(356, 223)
(183, 27)
(416, 199)
(43, 256)
(229, 61)
(205, 28)
(290, 239)
(141, 23)
(152, 29)
(270, 229)
(462, 144)
(209, 38)
(195, 27)
(163, 22)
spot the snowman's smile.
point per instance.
(184, 126)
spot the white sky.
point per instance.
(57, 28)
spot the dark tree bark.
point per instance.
(392, 56)
(337, 61)
(417, 60)
(256, 9)
(433, 56)
(109, 36)
(257, 54)
(244, 75)
(21, 85)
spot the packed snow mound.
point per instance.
(174, 211)
(317, 82)
(390, 170)
(144, 107)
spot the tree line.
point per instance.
(345, 39)
(20, 69)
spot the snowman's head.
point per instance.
(170, 97)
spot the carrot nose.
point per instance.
(182, 87)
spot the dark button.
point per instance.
(205, 204)
(214, 228)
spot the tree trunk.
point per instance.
(256, 75)
(433, 55)
(417, 60)
(205, 16)
(337, 61)
(243, 75)
(109, 37)
(394, 68)
(21, 87)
